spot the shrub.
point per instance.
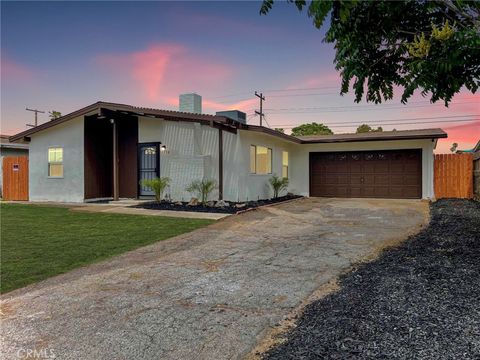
(278, 184)
(202, 188)
(158, 185)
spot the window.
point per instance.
(260, 160)
(55, 162)
(285, 164)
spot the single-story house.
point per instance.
(8, 148)
(105, 149)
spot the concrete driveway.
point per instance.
(211, 294)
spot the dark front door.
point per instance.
(148, 165)
(376, 174)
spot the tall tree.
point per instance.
(311, 129)
(367, 128)
(430, 46)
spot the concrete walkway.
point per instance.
(122, 209)
(210, 294)
(125, 207)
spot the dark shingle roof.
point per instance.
(226, 122)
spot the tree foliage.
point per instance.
(311, 129)
(367, 128)
(202, 188)
(54, 114)
(430, 46)
(158, 186)
(278, 184)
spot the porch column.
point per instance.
(220, 164)
(115, 160)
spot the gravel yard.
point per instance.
(417, 301)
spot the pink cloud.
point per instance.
(11, 70)
(162, 71)
(465, 135)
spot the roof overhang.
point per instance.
(113, 110)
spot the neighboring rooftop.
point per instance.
(5, 143)
(475, 149)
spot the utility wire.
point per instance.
(404, 119)
(342, 109)
(388, 124)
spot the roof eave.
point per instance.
(411, 137)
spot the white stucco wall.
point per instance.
(239, 183)
(299, 182)
(192, 153)
(69, 188)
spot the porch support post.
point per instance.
(220, 164)
(115, 160)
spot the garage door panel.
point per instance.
(356, 191)
(381, 191)
(356, 179)
(382, 179)
(387, 174)
(410, 180)
(396, 167)
(410, 167)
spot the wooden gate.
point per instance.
(15, 178)
(453, 176)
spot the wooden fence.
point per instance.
(453, 176)
(15, 178)
(476, 174)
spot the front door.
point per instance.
(148, 165)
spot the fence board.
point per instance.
(453, 176)
(15, 178)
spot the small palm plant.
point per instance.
(158, 185)
(278, 184)
(202, 188)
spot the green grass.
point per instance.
(38, 242)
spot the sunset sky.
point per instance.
(66, 55)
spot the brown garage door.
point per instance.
(380, 174)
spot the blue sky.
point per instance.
(65, 55)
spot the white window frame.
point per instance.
(55, 163)
(287, 165)
(271, 159)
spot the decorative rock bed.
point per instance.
(223, 207)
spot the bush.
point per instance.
(158, 185)
(202, 188)
(278, 184)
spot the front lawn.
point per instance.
(38, 242)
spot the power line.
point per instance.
(414, 123)
(303, 89)
(389, 124)
(343, 109)
(405, 119)
(365, 105)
